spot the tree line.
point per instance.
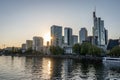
(79, 49)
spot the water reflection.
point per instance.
(46, 68)
(38, 68)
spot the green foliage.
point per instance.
(56, 50)
(29, 50)
(76, 48)
(87, 49)
(94, 50)
(115, 51)
(15, 50)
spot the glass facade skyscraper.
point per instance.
(68, 36)
(56, 35)
(99, 31)
(82, 35)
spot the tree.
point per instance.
(56, 50)
(29, 50)
(115, 51)
(94, 50)
(76, 48)
(85, 48)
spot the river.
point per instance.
(40, 68)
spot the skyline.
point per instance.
(23, 19)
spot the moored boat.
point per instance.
(111, 59)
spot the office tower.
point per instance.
(82, 35)
(112, 43)
(106, 36)
(29, 44)
(62, 39)
(99, 32)
(68, 36)
(23, 46)
(90, 39)
(75, 39)
(37, 43)
(119, 41)
(56, 35)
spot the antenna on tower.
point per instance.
(95, 9)
(94, 13)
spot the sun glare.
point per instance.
(47, 37)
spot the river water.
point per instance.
(38, 68)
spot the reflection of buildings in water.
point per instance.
(56, 69)
(18, 62)
(66, 69)
(46, 68)
(85, 70)
(112, 69)
(33, 67)
(100, 72)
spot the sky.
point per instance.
(20, 20)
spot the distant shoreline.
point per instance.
(78, 57)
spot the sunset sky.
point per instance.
(20, 20)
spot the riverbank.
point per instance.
(78, 57)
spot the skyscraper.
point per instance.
(29, 44)
(56, 35)
(106, 36)
(82, 35)
(37, 43)
(68, 36)
(90, 39)
(99, 34)
(23, 46)
(75, 39)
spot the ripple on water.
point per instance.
(37, 68)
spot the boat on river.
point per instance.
(111, 59)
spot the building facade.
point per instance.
(90, 39)
(112, 43)
(83, 35)
(23, 46)
(68, 36)
(29, 44)
(75, 39)
(56, 35)
(99, 32)
(106, 37)
(37, 43)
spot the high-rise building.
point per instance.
(119, 41)
(37, 43)
(23, 46)
(106, 36)
(29, 44)
(56, 35)
(62, 40)
(68, 36)
(75, 39)
(90, 39)
(112, 43)
(82, 35)
(99, 33)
